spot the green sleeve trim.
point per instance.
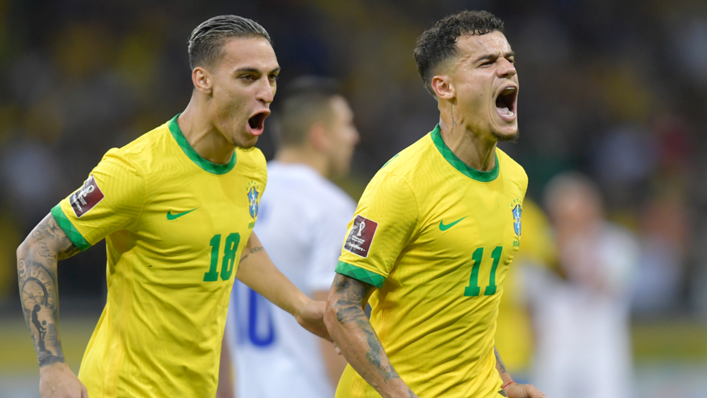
(360, 274)
(71, 232)
(451, 158)
(206, 165)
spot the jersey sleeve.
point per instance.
(110, 200)
(382, 226)
(326, 248)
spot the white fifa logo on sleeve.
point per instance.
(361, 226)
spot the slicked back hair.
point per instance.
(207, 39)
(439, 43)
(307, 100)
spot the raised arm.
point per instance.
(355, 337)
(257, 270)
(37, 260)
(510, 388)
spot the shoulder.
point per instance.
(620, 236)
(144, 150)
(251, 158)
(387, 188)
(334, 197)
(300, 181)
(411, 161)
(511, 168)
(251, 163)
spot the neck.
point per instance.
(478, 152)
(304, 155)
(202, 135)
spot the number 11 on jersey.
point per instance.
(473, 289)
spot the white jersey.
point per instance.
(583, 334)
(301, 223)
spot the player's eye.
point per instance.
(247, 77)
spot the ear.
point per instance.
(318, 137)
(442, 86)
(202, 80)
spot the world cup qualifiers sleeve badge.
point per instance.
(362, 232)
(86, 198)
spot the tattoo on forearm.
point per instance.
(253, 250)
(499, 363)
(39, 294)
(349, 309)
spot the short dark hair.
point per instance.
(307, 100)
(439, 43)
(207, 39)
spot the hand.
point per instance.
(523, 391)
(311, 317)
(58, 381)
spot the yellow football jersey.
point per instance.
(514, 335)
(175, 225)
(436, 237)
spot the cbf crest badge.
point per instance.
(253, 199)
(516, 211)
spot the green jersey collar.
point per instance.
(212, 168)
(483, 176)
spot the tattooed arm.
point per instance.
(37, 260)
(512, 389)
(355, 337)
(258, 272)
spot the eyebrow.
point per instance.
(494, 56)
(255, 70)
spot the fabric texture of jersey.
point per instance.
(436, 237)
(175, 225)
(302, 221)
(514, 332)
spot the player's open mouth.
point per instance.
(506, 103)
(256, 123)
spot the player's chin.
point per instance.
(243, 139)
(247, 141)
(506, 132)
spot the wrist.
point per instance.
(299, 302)
(508, 384)
(399, 390)
(57, 366)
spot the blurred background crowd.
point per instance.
(614, 90)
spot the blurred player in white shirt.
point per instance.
(582, 321)
(302, 220)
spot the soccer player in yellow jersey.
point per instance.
(435, 232)
(176, 208)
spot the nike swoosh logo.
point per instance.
(443, 227)
(171, 216)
